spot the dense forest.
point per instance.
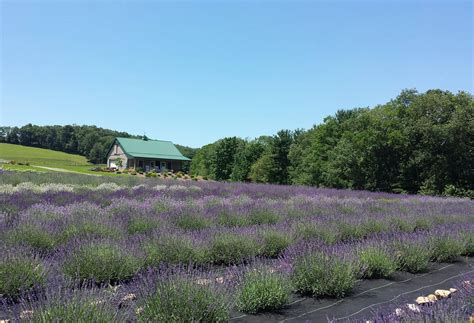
(89, 141)
(416, 143)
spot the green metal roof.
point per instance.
(150, 149)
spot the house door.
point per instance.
(163, 165)
(152, 164)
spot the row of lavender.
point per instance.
(167, 250)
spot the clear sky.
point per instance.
(196, 71)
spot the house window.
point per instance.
(116, 149)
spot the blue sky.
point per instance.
(193, 72)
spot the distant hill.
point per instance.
(40, 156)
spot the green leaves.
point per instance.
(179, 300)
(19, 274)
(263, 291)
(101, 263)
(320, 275)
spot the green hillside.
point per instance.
(39, 156)
(44, 160)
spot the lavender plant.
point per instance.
(191, 222)
(174, 250)
(229, 219)
(377, 262)
(20, 274)
(274, 243)
(263, 290)
(412, 256)
(231, 248)
(180, 300)
(118, 230)
(320, 275)
(446, 249)
(101, 262)
(258, 217)
(141, 225)
(32, 236)
(309, 231)
(72, 307)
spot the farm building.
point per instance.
(146, 154)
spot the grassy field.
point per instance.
(44, 160)
(40, 156)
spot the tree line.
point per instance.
(89, 141)
(416, 143)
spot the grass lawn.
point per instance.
(39, 157)
(22, 168)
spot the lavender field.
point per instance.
(86, 248)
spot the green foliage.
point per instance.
(118, 161)
(407, 144)
(75, 309)
(274, 243)
(178, 300)
(412, 257)
(320, 275)
(350, 231)
(19, 274)
(280, 148)
(451, 190)
(263, 160)
(32, 236)
(160, 207)
(216, 160)
(378, 263)
(232, 220)
(308, 231)
(187, 152)
(403, 225)
(224, 157)
(446, 249)
(422, 224)
(258, 217)
(246, 155)
(373, 226)
(263, 291)
(88, 229)
(263, 170)
(141, 225)
(173, 250)
(192, 222)
(468, 240)
(232, 249)
(101, 263)
(202, 162)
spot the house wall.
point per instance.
(117, 152)
(176, 165)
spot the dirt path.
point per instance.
(62, 170)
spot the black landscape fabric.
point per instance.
(367, 296)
